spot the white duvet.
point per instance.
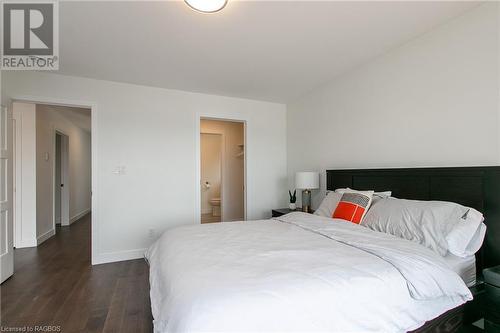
(300, 272)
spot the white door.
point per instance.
(6, 222)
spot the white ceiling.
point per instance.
(266, 50)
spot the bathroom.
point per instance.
(222, 170)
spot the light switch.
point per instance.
(120, 170)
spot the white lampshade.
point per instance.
(206, 6)
(307, 180)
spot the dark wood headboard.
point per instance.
(476, 187)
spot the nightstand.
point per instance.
(492, 299)
(282, 211)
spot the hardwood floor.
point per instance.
(55, 285)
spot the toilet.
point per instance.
(215, 202)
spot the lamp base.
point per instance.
(306, 201)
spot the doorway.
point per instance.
(222, 170)
(53, 161)
(61, 183)
(211, 174)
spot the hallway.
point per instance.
(55, 285)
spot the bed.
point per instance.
(300, 272)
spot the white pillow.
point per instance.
(434, 224)
(382, 195)
(467, 236)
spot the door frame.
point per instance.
(6, 152)
(222, 168)
(206, 116)
(94, 202)
(65, 138)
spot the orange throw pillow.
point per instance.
(353, 206)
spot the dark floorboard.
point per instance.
(55, 285)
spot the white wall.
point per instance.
(48, 120)
(211, 169)
(154, 134)
(431, 102)
(233, 178)
(25, 175)
(44, 179)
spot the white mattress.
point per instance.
(465, 267)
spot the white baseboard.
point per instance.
(108, 257)
(26, 243)
(42, 238)
(79, 215)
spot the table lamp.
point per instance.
(306, 181)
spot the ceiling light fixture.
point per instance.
(206, 6)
